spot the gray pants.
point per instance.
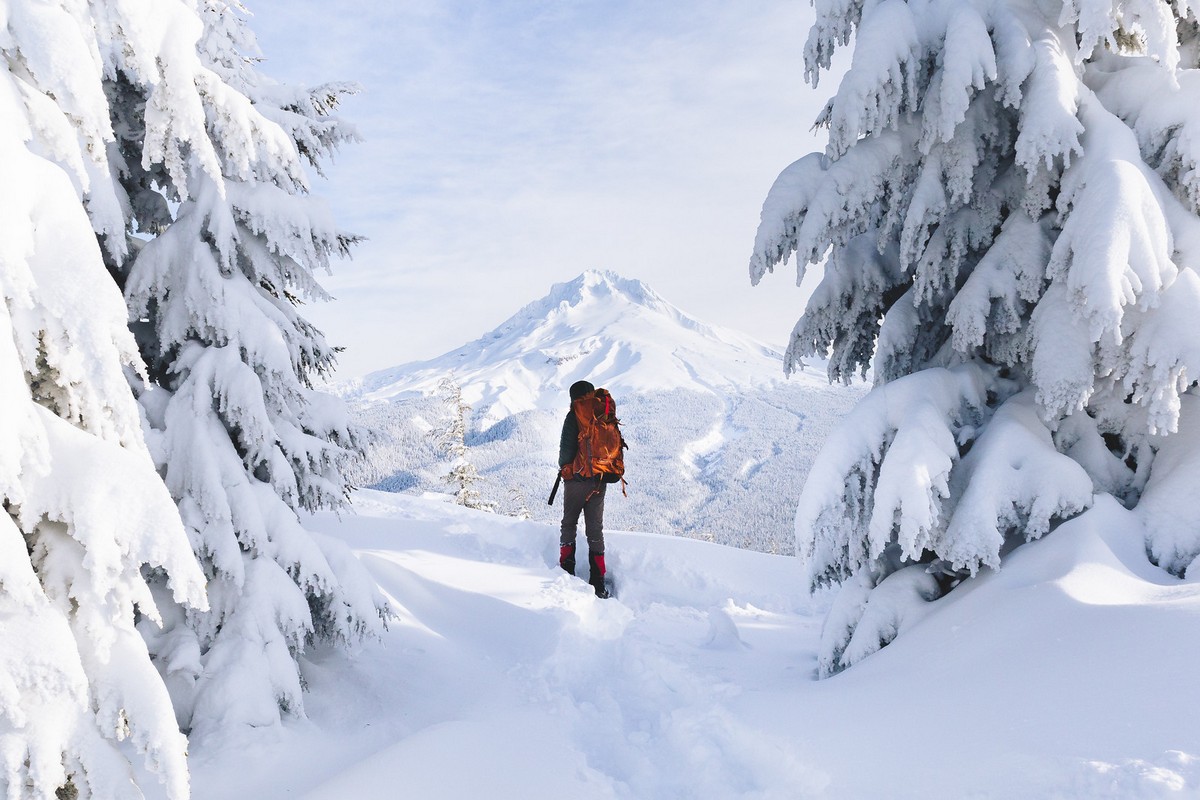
(576, 499)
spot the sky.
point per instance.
(508, 145)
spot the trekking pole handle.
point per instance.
(554, 491)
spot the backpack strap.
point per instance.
(594, 492)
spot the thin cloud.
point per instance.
(510, 145)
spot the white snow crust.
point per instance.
(1056, 677)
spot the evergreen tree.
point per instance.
(211, 159)
(1006, 212)
(519, 506)
(452, 439)
(85, 515)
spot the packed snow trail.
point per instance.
(1061, 676)
(608, 703)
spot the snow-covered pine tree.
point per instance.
(518, 506)
(1007, 215)
(451, 437)
(84, 510)
(223, 244)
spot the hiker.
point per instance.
(586, 474)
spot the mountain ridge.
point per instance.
(613, 331)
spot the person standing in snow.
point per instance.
(586, 473)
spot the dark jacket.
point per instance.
(568, 444)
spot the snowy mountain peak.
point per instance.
(613, 331)
(597, 286)
(593, 292)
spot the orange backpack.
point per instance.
(601, 445)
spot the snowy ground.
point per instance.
(1071, 673)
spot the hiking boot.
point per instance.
(566, 558)
(596, 574)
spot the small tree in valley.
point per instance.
(519, 506)
(452, 438)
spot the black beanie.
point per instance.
(580, 388)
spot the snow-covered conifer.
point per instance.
(1007, 216)
(211, 159)
(519, 507)
(451, 437)
(86, 517)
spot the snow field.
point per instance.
(1064, 675)
(740, 488)
(610, 686)
(500, 661)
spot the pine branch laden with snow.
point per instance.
(1009, 192)
(887, 472)
(208, 164)
(86, 516)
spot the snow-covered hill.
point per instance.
(1066, 675)
(720, 441)
(613, 331)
